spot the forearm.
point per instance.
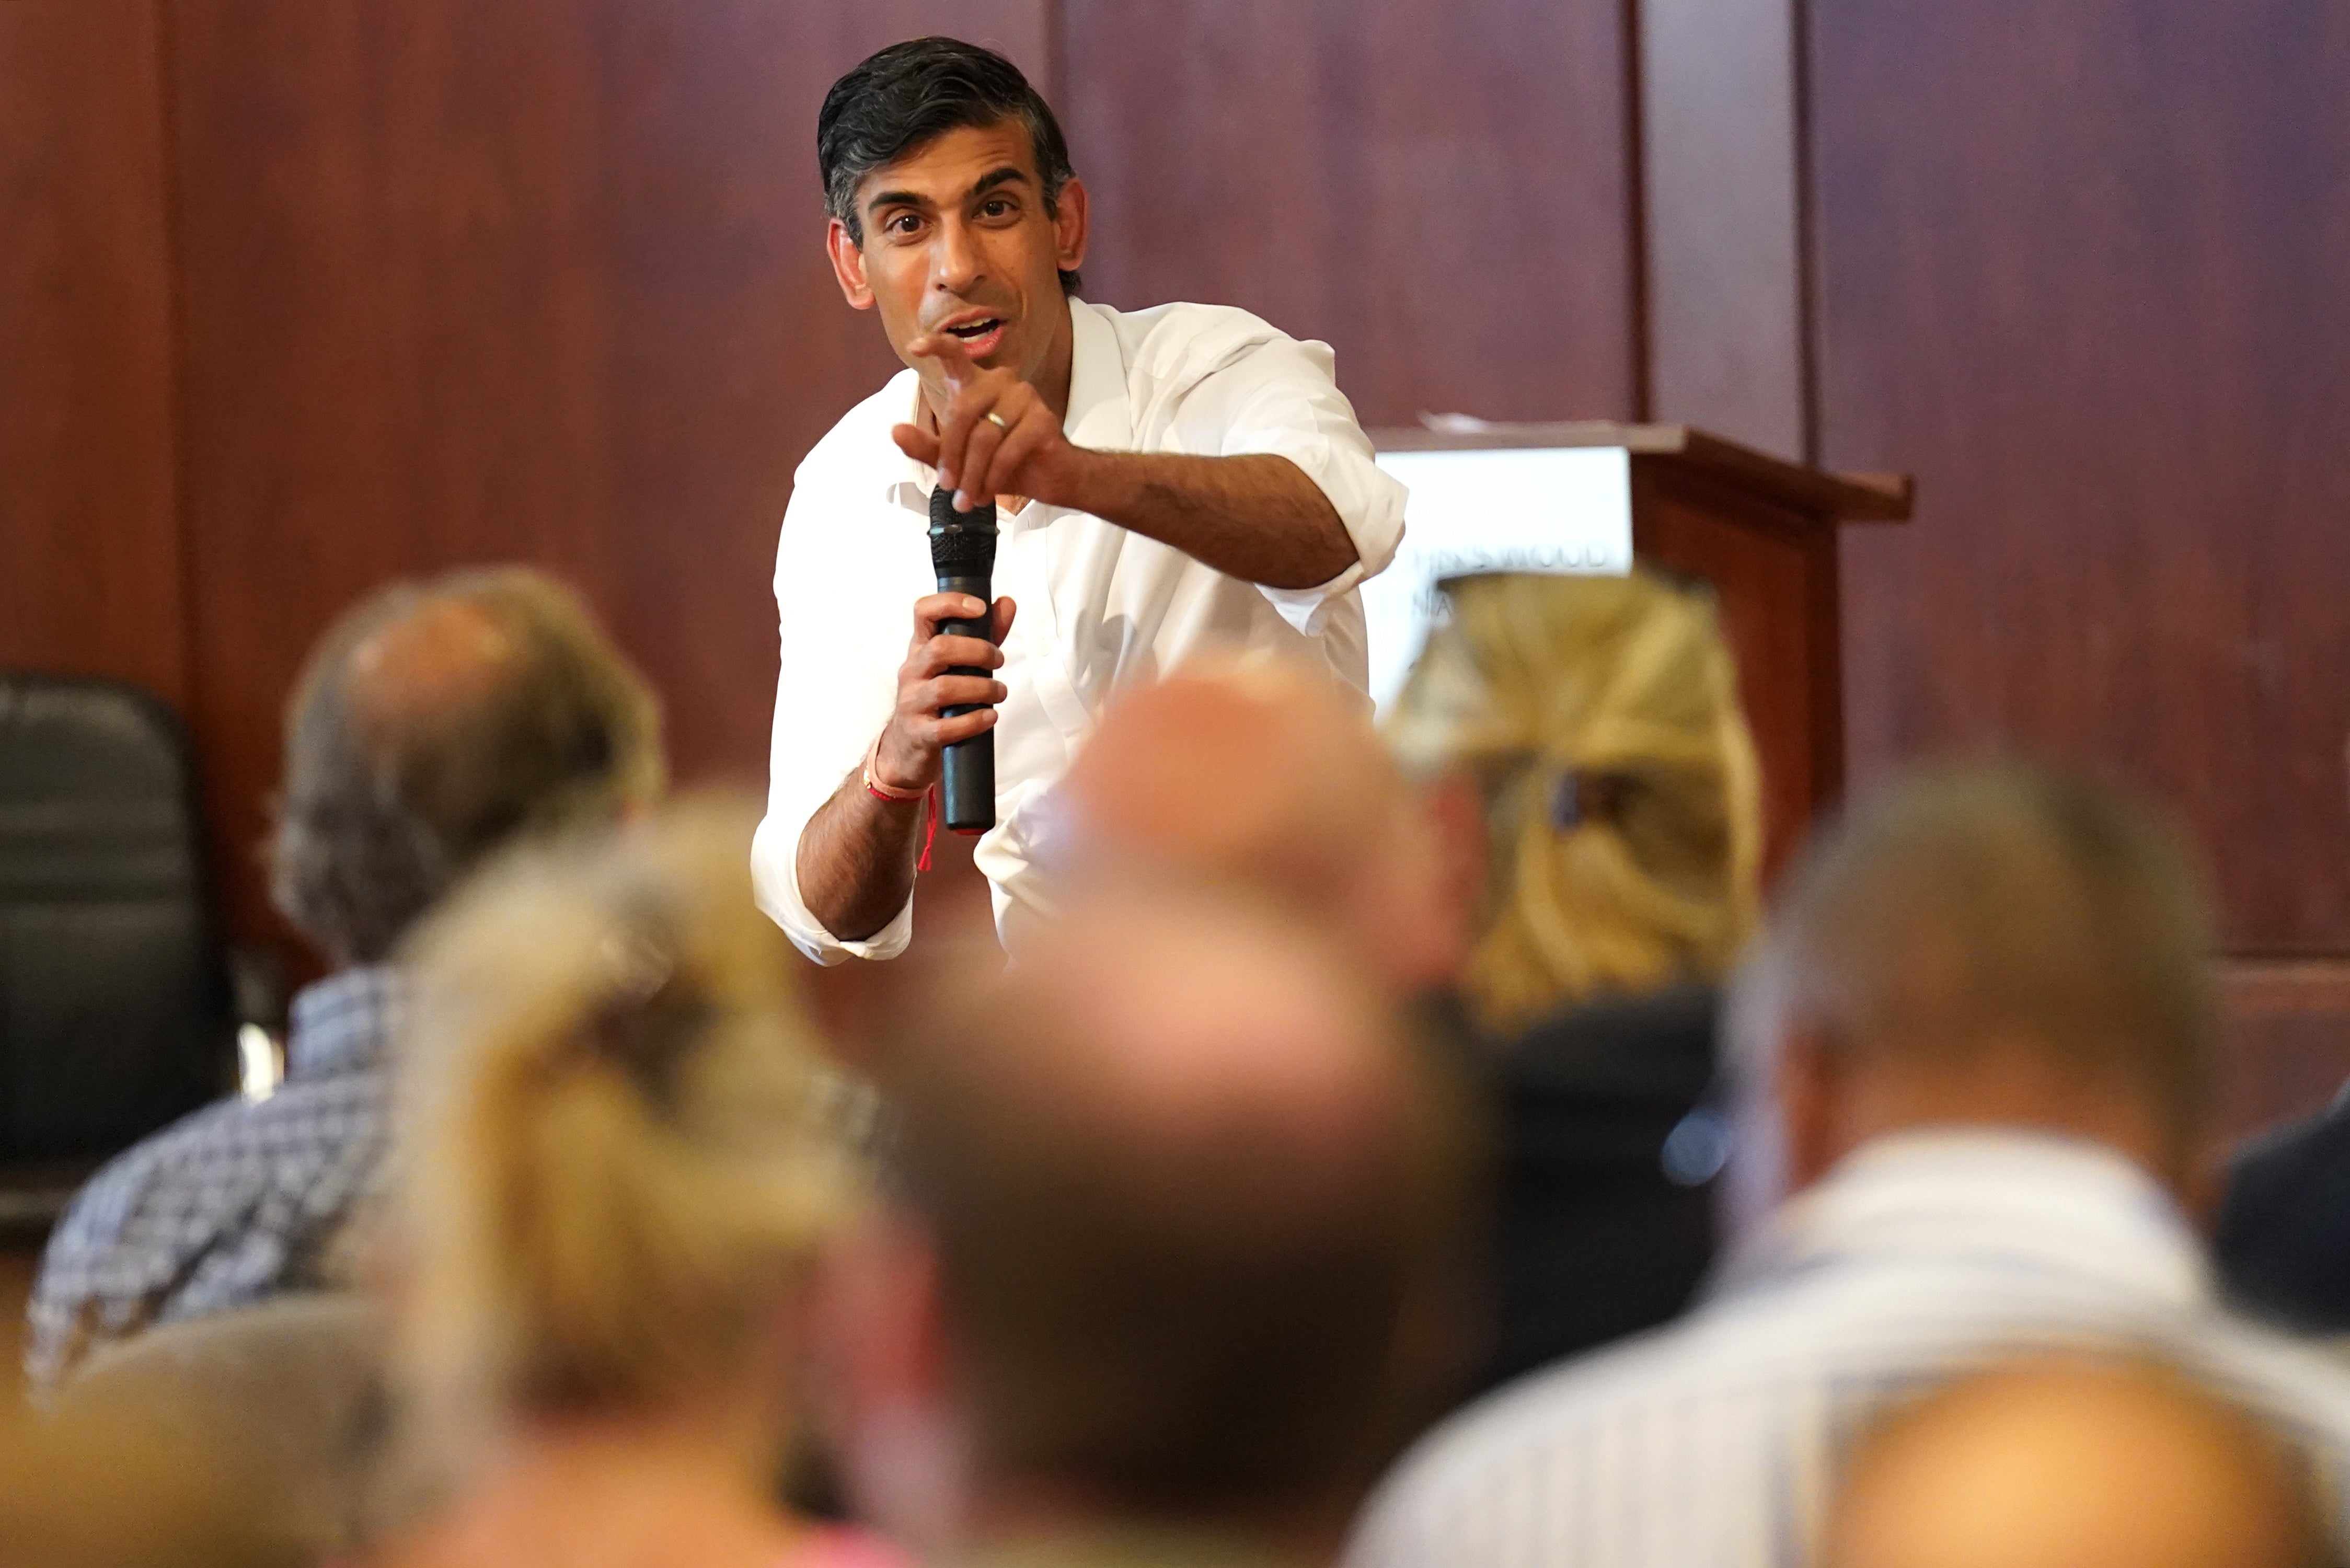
(856, 860)
(1256, 517)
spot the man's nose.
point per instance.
(955, 259)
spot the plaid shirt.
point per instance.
(234, 1203)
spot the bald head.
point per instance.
(2075, 1466)
(433, 725)
(1188, 1187)
(435, 653)
(1268, 777)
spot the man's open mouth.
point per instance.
(969, 331)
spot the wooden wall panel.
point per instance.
(1441, 192)
(1721, 128)
(2288, 1039)
(90, 549)
(537, 281)
(2080, 269)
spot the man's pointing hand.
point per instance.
(997, 436)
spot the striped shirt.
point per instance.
(1714, 1442)
(231, 1204)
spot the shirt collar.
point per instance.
(344, 1023)
(2019, 1199)
(1099, 416)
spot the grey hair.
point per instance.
(1997, 905)
(397, 782)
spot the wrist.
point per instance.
(884, 782)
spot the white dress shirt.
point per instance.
(1714, 1442)
(1099, 608)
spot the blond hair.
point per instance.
(1599, 717)
(617, 1141)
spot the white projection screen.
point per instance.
(1564, 509)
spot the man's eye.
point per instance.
(903, 223)
(996, 209)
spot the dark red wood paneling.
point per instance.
(2081, 269)
(1720, 134)
(539, 280)
(1441, 192)
(1773, 573)
(2288, 1045)
(89, 546)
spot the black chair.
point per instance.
(117, 1012)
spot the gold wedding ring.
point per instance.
(998, 421)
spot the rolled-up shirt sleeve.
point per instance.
(1282, 398)
(840, 651)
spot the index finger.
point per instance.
(954, 359)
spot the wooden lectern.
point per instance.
(1764, 532)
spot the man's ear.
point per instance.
(847, 264)
(1787, 1123)
(1070, 226)
(1809, 1081)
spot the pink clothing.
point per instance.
(845, 1546)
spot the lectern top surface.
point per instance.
(1831, 497)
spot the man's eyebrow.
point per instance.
(1010, 173)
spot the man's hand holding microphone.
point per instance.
(993, 425)
(946, 669)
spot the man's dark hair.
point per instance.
(915, 92)
(433, 725)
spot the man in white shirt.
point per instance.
(1165, 479)
(1985, 1027)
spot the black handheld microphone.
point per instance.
(962, 549)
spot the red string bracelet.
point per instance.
(886, 791)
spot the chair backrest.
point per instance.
(287, 1402)
(116, 1014)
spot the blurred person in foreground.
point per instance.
(1262, 774)
(618, 1156)
(1583, 736)
(1578, 870)
(2075, 1464)
(1163, 1275)
(1977, 1044)
(434, 725)
(2283, 1233)
(2283, 1238)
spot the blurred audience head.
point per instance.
(1266, 775)
(436, 722)
(618, 1157)
(1994, 945)
(1584, 734)
(1187, 1199)
(2075, 1465)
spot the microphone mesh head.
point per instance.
(962, 543)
